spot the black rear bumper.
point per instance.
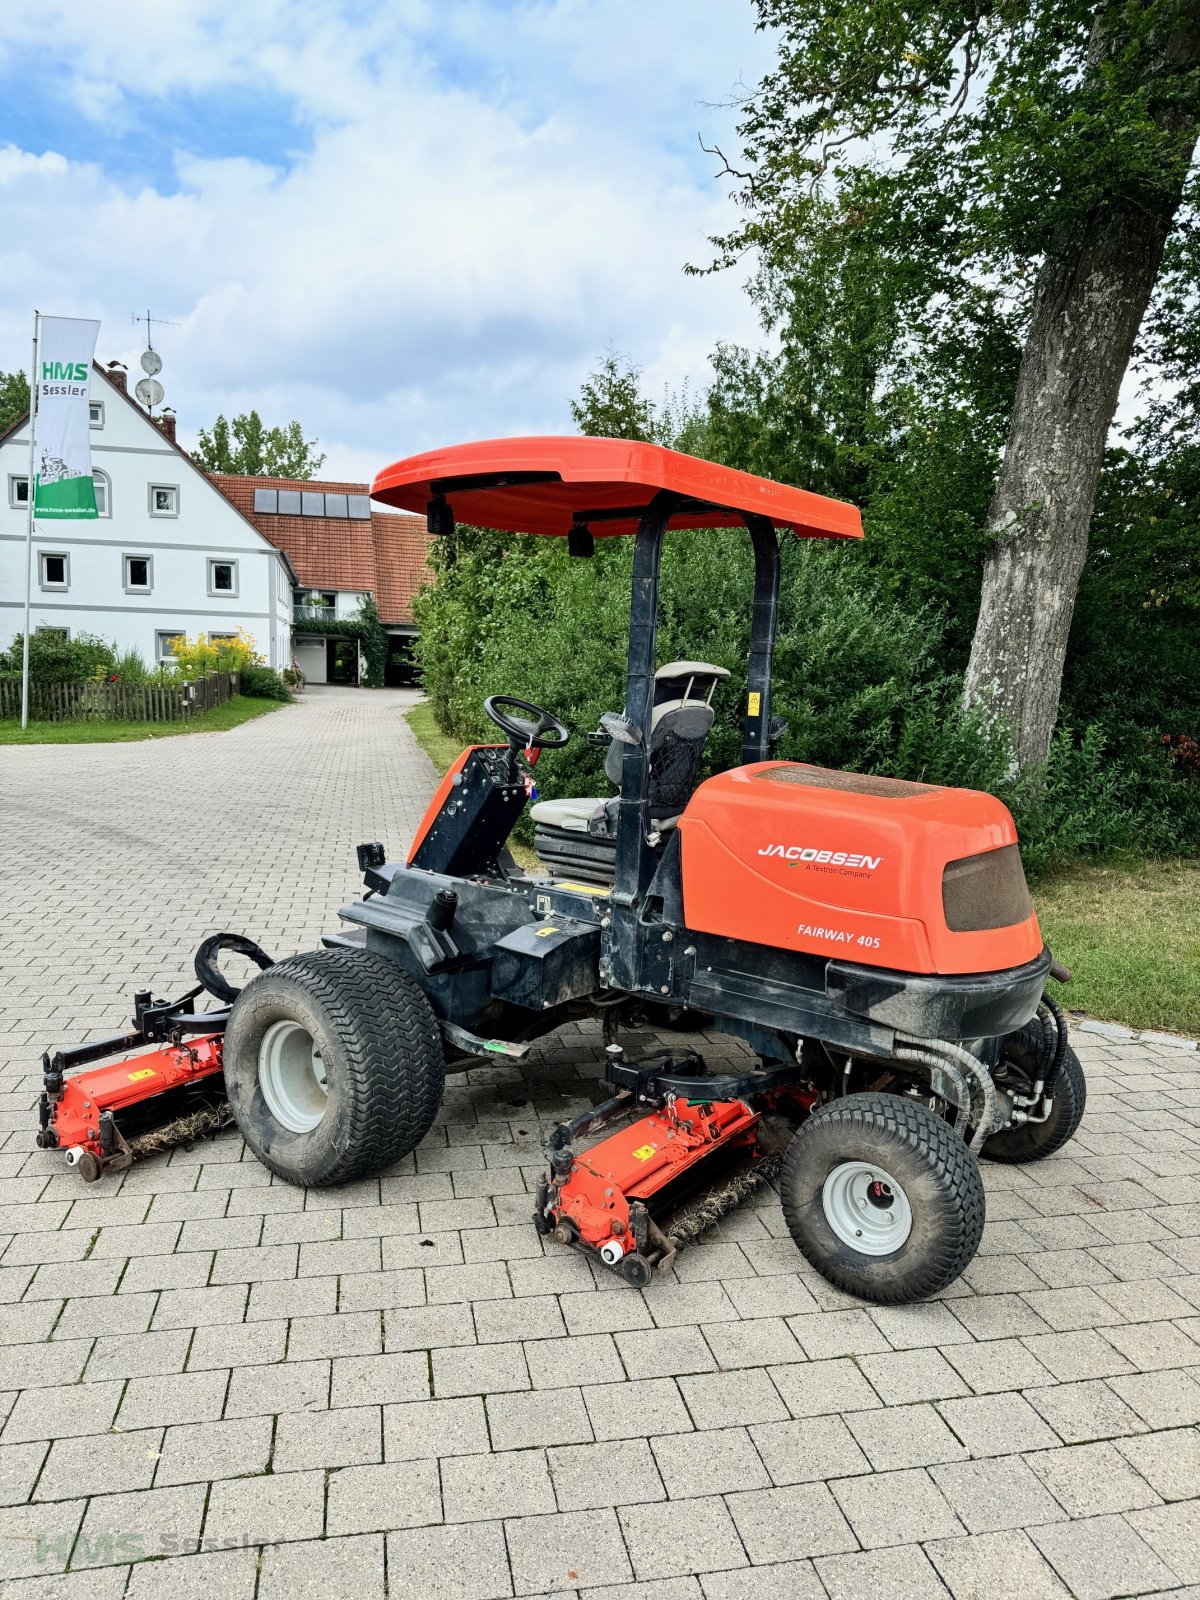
(974, 1006)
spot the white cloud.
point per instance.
(485, 197)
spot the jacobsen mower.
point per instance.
(871, 941)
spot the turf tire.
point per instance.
(937, 1171)
(383, 1058)
(1036, 1140)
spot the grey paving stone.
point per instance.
(204, 1451)
(603, 1313)
(19, 1467)
(617, 1472)
(1002, 1492)
(836, 1333)
(566, 1550)
(789, 1524)
(467, 1561)
(1091, 1479)
(62, 1412)
(807, 1452)
(38, 1539)
(1173, 1532)
(647, 1353)
(95, 1462)
(342, 1438)
(904, 1436)
(267, 1509)
(1099, 1557)
(1079, 1412)
(995, 1566)
(354, 1333)
(149, 1525)
(317, 1569)
(533, 1317)
(902, 1573)
(907, 1376)
(703, 1538)
(428, 1328)
(478, 1488)
(1161, 1399)
(379, 1380)
(1169, 1461)
(181, 1397)
(817, 1388)
(587, 1358)
(195, 1308)
(287, 1386)
(240, 1345)
(232, 1574)
(522, 1421)
(482, 1369)
(998, 1424)
(431, 1428)
(895, 1508)
(378, 1499)
(717, 1461)
(636, 1410)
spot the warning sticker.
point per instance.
(644, 1152)
(136, 1077)
(544, 933)
(754, 705)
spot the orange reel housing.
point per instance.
(876, 871)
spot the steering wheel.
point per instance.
(522, 733)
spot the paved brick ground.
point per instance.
(393, 1387)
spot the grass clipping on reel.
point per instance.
(201, 1124)
(697, 1218)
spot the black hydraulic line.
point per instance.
(1060, 1046)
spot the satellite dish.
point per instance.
(151, 363)
(149, 391)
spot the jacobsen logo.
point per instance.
(832, 858)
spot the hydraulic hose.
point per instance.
(1060, 1046)
(961, 1064)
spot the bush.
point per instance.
(264, 683)
(193, 658)
(53, 659)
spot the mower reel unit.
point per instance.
(869, 944)
(106, 1119)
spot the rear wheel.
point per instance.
(1020, 1069)
(333, 1066)
(882, 1197)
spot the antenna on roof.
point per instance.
(148, 389)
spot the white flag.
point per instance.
(63, 485)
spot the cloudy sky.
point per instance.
(406, 222)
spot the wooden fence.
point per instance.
(119, 702)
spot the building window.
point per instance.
(56, 633)
(220, 638)
(266, 500)
(139, 574)
(222, 578)
(164, 643)
(164, 500)
(96, 413)
(55, 570)
(103, 494)
(18, 492)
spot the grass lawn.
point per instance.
(242, 708)
(1129, 930)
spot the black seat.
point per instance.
(577, 837)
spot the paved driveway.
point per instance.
(394, 1386)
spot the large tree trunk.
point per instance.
(1090, 298)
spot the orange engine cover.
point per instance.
(842, 864)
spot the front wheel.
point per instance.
(333, 1066)
(882, 1197)
(1033, 1141)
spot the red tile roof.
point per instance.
(386, 555)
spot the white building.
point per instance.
(168, 554)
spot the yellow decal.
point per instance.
(754, 705)
(136, 1077)
(583, 888)
(644, 1152)
(544, 933)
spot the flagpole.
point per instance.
(33, 391)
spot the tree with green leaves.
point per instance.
(611, 404)
(14, 399)
(247, 446)
(1013, 172)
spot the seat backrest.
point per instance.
(680, 723)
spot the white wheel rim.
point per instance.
(866, 1208)
(291, 1075)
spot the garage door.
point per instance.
(310, 658)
